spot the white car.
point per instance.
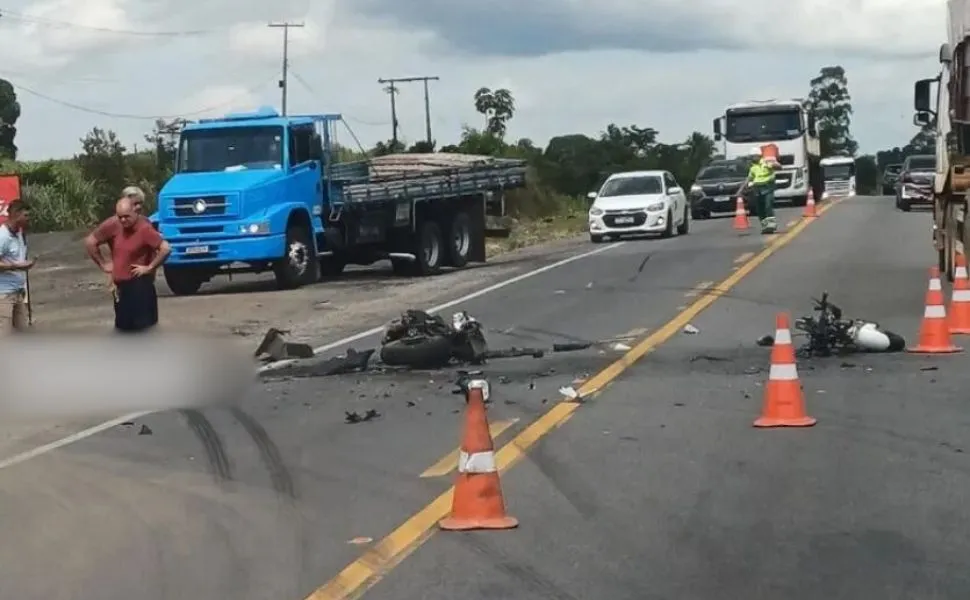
(636, 203)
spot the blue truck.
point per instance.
(257, 192)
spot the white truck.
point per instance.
(947, 109)
(787, 124)
(838, 177)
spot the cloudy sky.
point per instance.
(572, 65)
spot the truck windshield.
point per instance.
(230, 148)
(763, 126)
(838, 172)
(631, 186)
(922, 163)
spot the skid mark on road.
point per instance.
(366, 571)
(449, 462)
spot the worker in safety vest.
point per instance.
(761, 181)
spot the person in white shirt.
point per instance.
(13, 269)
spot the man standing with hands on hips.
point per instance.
(137, 250)
(13, 270)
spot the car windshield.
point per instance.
(838, 171)
(922, 163)
(763, 126)
(230, 148)
(632, 186)
(722, 171)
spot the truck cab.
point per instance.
(247, 195)
(838, 177)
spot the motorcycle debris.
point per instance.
(708, 358)
(571, 393)
(691, 330)
(352, 417)
(766, 340)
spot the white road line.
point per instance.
(64, 441)
(482, 292)
(86, 433)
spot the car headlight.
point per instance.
(254, 229)
(655, 207)
(696, 189)
(596, 212)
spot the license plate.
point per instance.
(624, 220)
(722, 199)
(197, 250)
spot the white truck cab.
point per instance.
(838, 177)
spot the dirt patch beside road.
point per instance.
(70, 295)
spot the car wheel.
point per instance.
(684, 228)
(669, 230)
(904, 205)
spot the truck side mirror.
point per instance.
(921, 96)
(924, 119)
(717, 130)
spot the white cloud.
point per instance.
(337, 59)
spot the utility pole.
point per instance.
(427, 101)
(285, 26)
(392, 91)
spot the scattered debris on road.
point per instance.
(275, 348)
(353, 417)
(691, 330)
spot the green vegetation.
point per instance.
(75, 193)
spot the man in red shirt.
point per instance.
(137, 250)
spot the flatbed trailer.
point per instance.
(259, 192)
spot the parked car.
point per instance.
(638, 202)
(716, 188)
(916, 181)
(890, 178)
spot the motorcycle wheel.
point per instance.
(417, 353)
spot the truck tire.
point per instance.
(298, 265)
(428, 248)
(182, 281)
(459, 245)
(417, 353)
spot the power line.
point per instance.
(285, 26)
(15, 16)
(114, 115)
(393, 90)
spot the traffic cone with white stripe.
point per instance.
(959, 315)
(934, 333)
(477, 502)
(810, 211)
(740, 215)
(784, 404)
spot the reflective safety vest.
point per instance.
(761, 174)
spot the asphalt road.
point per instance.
(656, 487)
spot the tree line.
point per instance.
(73, 193)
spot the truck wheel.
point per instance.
(298, 265)
(459, 240)
(182, 281)
(428, 248)
(331, 266)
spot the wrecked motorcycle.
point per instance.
(830, 334)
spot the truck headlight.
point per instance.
(254, 229)
(655, 207)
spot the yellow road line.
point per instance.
(743, 258)
(366, 571)
(700, 287)
(449, 462)
(791, 223)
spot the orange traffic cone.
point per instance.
(934, 334)
(740, 215)
(784, 404)
(477, 502)
(810, 210)
(959, 315)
